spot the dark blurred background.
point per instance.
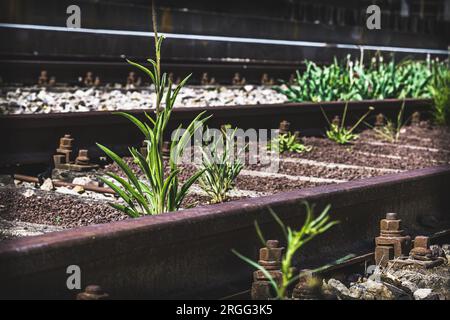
(24, 52)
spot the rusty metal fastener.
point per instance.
(88, 79)
(65, 146)
(379, 120)
(92, 292)
(237, 81)
(391, 243)
(421, 250)
(97, 81)
(205, 79)
(270, 259)
(43, 78)
(83, 158)
(52, 82)
(265, 80)
(131, 78)
(336, 121)
(284, 127)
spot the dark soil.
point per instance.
(52, 208)
(55, 209)
(71, 211)
(328, 173)
(271, 185)
(383, 156)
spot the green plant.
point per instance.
(221, 165)
(337, 131)
(295, 240)
(352, 80)
(440, 92)
(391, 129)
(159, 192)
(288, 142)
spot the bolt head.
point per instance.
(421, 242)
(391, 216)
(272, 244)
(390, 225)
(93, 289)
(270, 254)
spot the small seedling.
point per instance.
(288, 142)
(295, 240)
(221, 165)
(391, 129)
(440, 92)
(337, 131)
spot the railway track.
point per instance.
(188, 254)
(32, 139)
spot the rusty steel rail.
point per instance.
(188, 253)
(32, 139)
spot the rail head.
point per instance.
(133, 257)
(219, 217)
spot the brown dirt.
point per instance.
(71, 211)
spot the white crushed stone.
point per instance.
(13, 229)
(23, 101)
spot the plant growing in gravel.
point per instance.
(157, 192)
(352, 80)
(338, 132)
(221, 165)
(391, 129)
(295, 240)
(440, 92)
(288, 142)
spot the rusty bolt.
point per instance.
(205, 79)
(421, 250)
(270, 259)
(52, 82)
(379, 120)
(421, 241)
(92, 292)
(336, 121)
(391, 216)
(131, 78)
(391, 242)
(97, 81)
(83, 158)
(88, 79)
(284, 127)
(66, 142)
(265, 79)
(389, 225)
(236, 79)
(271, 244)
(43, 78)
(292, 79)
